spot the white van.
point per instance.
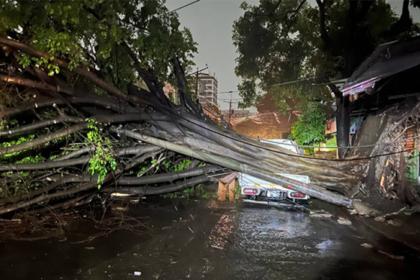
(259, 191)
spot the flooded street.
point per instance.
(207, 239)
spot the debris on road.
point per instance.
(394, 257)
(364, 209)
(320, 214)
(352, 212)
(343, 221)
(221, 231)
(380, 219)
(137, 273)
(366, 245)
(395, 223)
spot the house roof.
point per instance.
(387, 60)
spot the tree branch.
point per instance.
(78, 70)
(160, 190)
(41, 124)
(57, 180)
(79, 152)
(108, 103)
(43, 140)
(79, 127)
(136, 161)
(167, 177)
(91, 183)
(137, 150)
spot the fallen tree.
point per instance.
(74, 134)
(181, 128)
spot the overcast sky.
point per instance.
(210, 22)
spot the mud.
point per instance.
(260, 243)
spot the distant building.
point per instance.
(236, 113)
(272, 125)
(207, 89)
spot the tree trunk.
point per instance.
(343, 125)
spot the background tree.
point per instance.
(94, 34)
(310, 129)
(296, 44)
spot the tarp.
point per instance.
(387, 60)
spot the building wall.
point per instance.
(263, 131)
(208, 87)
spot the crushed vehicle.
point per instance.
(262, 192)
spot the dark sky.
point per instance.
(210, 22)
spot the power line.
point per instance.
(182, 7)
(295, 82)
(347, 147)
(276, 151)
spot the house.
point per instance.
(385, 93)
(268, 123)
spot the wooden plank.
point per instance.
(221, 191)
(228, 178)
(231, 187)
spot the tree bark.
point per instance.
(161, 190)
(343, 125)
(168, 177)
(308, 189)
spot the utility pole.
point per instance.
(196, 79)
(230, 109)
(196, 84)
(230, 100)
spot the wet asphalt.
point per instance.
(207, 239)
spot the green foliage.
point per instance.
(189, 192)
(142, 171)
(171, 195)
(199, 189)
(171, 97)
(102, 160)
(237, 190)
(194, 191)
(166, 164)
(30, 159)
(90, 33)
(182, 165)
(311, 126)
(20, 140)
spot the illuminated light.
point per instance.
(289, 186)
(250, 191)
(297, 195)
(272, 186)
